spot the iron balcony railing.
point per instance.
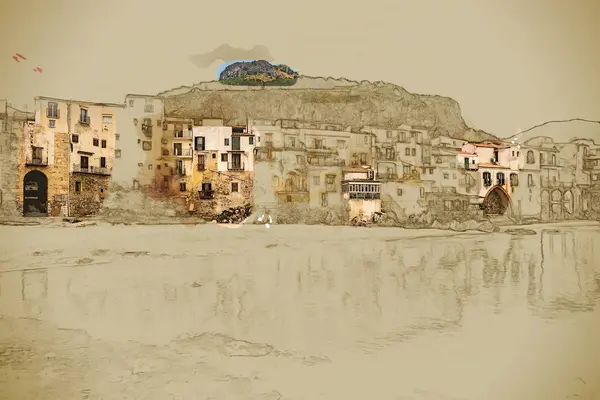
(206, 194)
(37, 161)
(183, 134)
(182, 153)
(85, 120)
(90, 169)
(235, 166)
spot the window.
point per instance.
(148, 107)
(84, 162)
(446, 175)
(292, 142)
(399, 192)
(430, 171)
(130, 103)
(75, 138)
(107, 119)
(52, 111)
(388, 134)
(102, 162)
(363, 159)
(330, 179)
(234, 187)
(529, 180)
(324, 200)
(318, 143)
(454, 175)
(389, 153)
(407, 151)
(214, 155)
(406, 169)
(52, 123)
(78, 186)
(487, 179)
(226, 141)
(117, 136)
(553, 159)
(514, 179)
(413, 152)
(422, 192)
(199, 143)
(224, 157)
(159, 123)
(542, 158)
(530, 157)
(366, 139)
(299, 160)
(182, 187)
(83, 116)
(251, 140)
(103, 143)
(147, 145)
(117, 153)
(500, 178)
(95, 142)
(316, 180)
(150, 166)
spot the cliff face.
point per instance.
(324, 100)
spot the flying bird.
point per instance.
(18, 57)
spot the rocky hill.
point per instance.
(562, 131)
(323, 100)
(258, 73)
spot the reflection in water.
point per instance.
(368, 294)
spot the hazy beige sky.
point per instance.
(510, 63)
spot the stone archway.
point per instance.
(35, 194)
(496, 202)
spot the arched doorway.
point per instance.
(35, 194)
(496, 202)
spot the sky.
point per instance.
(511, 64)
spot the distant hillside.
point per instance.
(258, 73)
(323, 100)
(562, 131)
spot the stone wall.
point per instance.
(56, 172)
(88, 201)
(9, 161)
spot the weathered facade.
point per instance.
(43, 183)
(222, 167)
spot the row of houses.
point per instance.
(72, 154)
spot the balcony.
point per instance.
(53, 113)
(36, 161)
(206, 194)
(201, 167)
(235, 166)
(85, 120)
(182, 153)
(555, 184)
(183, 134)
(89, 169)
(147, 129)
(386, 176)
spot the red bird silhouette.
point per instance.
(18, 57)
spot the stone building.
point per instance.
(222, 167)
(299, 168)
(138, 142)
(66, 157)
(12, 122)
(173, 168)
